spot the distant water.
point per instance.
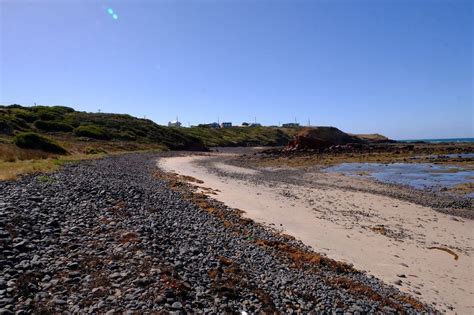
(419, 176)
(440, 140)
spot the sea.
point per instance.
(419, 176)
(458, 140)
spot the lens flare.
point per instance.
(115, 16)
(110, 11)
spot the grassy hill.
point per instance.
(42, 137)
(241, 136)
(68, 125)
(125, 132)
(35, 137)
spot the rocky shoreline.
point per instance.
(442, 201)
(116, 235)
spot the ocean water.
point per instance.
(440, 140)
(419, 176)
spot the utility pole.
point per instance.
(309, 122)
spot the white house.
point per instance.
(174, 123)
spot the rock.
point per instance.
(35, 198)
(21, 245)
(177, 305)
(317, 138)
(54, 224)
(58, 301)
(73, 265)
(5, 301)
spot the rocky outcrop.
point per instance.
(318, 138)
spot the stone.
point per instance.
(177, 305)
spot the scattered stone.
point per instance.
(119, 234)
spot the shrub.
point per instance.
(47, 113)
(6, 127)
(14, 106)
(26, 116)
(31, 140)
(139, 133)
(62, 109)
(20, 123)
(52, 126)
(8, 124)
(91, 131)
(125, 135)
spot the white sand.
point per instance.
(338, 222)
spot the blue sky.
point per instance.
(400, 68)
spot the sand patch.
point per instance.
(389, 238)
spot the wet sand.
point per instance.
(403, 243)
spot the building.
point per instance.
(174, 123)
(255, 125)
(226, 124)
(211, 125)
(291, 125)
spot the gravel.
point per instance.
(115, 235)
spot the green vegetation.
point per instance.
(45, 179)
(31, 140)
(241, 136)
(91, 131)
(27, 116)
(71, 126)
(52, 126)
(61, 121)
(29, 137)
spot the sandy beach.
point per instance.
(421, 251)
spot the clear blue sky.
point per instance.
(401, 68)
